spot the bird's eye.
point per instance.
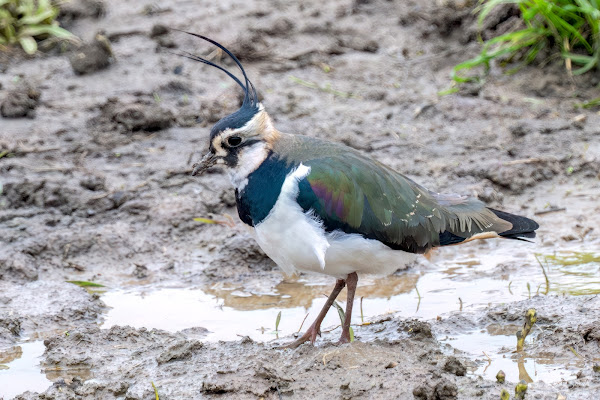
(234, 141)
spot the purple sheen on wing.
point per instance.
(339, 209)
(333, 202)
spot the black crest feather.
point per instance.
(249, 106)
(250, 95)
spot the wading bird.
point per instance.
(324, 207)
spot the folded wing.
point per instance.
(355, 194)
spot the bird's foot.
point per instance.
(345, 338)
(311, 334)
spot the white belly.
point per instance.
(296, 242)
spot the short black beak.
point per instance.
(207, 161)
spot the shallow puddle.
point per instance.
(493, 352)
(572, 272)
(467, 278)
(20, 369)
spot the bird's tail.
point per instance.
(523, 228)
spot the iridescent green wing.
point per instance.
(354, 194)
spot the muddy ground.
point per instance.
(96, 151)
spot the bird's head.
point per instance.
(243, 139)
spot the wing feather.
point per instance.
(355, 194)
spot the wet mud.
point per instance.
(95, 186)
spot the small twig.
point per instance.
(545, 275)
(524, 161)
(332, 329)
(550, 210)
(362, 319)
(302, 324)
(24, 150)
(45, 169)
(488, 357)
(575, 352)
(489, 362)
(568, 64)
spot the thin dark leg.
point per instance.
(351, 282)
(315, 328)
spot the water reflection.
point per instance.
(23, 372)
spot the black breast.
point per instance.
(257, 198)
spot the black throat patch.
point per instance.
(257, 198)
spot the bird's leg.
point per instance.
(315, 328)
(351, 282)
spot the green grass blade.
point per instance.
(37, 18)
(155, 391)
(593, 63)
(28, 44)
(85, 284)
(277, 321)
(578, 58)
(591, 103)
(205, 220)
(342, 316)
(52, 30)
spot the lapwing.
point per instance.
(324, 207)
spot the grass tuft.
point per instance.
(24, 22)
(572, 27)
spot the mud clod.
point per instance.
(520, 130)
(146, 118)
(180, 350)
(76, 9)
(93, 183)
(131, 117)
(454, 366)
(250, 48)
(10, 324)
(18, 266)
(441, 390)
(417, 329)
(359, 43)
(20, 102)
(279, 27)
(216, 388)
(158, 30)
(92, 57)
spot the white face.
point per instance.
(245, 148)
(248, 160)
